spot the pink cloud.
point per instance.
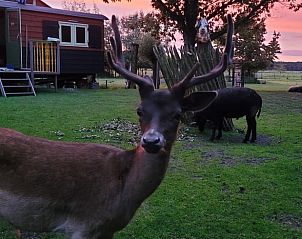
(292, 53)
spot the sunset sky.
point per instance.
(288, 23)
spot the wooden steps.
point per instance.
(16, 83)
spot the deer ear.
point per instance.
(198, 100)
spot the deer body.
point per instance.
(91, 191)
(73, 181)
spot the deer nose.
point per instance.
(152, 141)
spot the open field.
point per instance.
(280, 75)
(274, 85)
(277, 80)
(214, 190)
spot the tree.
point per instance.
(146, 54)
(183, 13)
(143, 30)
(75, 5)
(252, 51)
(80, 5)
(134, 27)
(139, 31)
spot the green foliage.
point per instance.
(145, 50)
(217, 190)
(146, 30)
(251, 50)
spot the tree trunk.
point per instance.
(133, 64)
(189, 36)
(155, 74)
(191, 9)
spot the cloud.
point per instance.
(292, 53)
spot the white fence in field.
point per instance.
(279, 75)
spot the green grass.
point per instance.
(277, 80)
(275, 85)
(214, 190)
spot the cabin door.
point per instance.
(13, 38)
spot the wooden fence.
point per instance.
(279, 75)
(175, 64)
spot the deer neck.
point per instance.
(145, 174)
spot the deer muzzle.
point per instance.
(152, 141)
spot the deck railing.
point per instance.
(45, 57)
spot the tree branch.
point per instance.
(242, 19)
(159, 4)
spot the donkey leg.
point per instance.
(213, 131)
(220, 123)
(249, 129)
(254, 133)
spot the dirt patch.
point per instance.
(193, 140)
(288, 220)
(213, 154)
(231, 161)
(237, 138)
(265, 140)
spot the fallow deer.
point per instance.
(91, 191)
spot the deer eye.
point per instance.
(139, 112)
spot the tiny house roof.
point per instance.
(30, 7)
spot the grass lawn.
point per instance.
(214, 190)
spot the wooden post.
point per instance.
(58, 65)
(56, 83)
(31, 60)
(133, 63)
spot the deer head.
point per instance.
(160, 110)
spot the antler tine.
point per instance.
(224, 62)
(117, 40)
(179, 88)
(187, 77)
(115, 58)
(229, 45)
(191, 73)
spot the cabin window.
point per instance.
(80, 35)
(66, 34)
(73, 34)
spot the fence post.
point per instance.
(31, 60)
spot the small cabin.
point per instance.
(46, 40)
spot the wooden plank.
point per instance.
(2, 88)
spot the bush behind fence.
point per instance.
(279, 75)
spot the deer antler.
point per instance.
(224, 62)
(117, 63)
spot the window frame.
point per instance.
(73, 32)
